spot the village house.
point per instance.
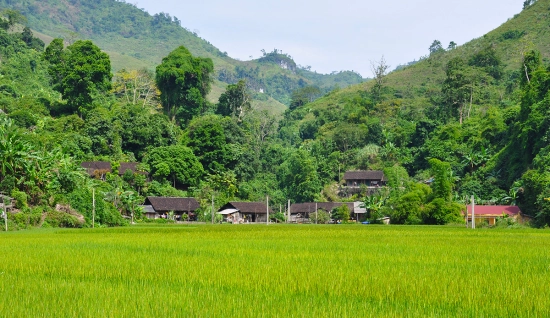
(491, 213)
(368, 178)
(362, 181)
(245, 212)
(97, 169)
(300, 212)
(160, 207)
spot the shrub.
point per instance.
(61, 219)
(20, 199)
(105, 212)
(342, 213)
(278, 217)
(441, 212)
(321, 216)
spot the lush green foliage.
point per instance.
(176, 163)
(235, 101)
(470, 121)
(81, 72)
(184, 82)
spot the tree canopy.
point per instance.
(184, 81)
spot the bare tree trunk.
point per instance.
(460, 112)
(471, 99)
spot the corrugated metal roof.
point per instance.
(375, 175)
(248, 207)
(166, 204)
(494, 210)
(132, 166)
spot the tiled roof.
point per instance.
(166, 204)
(309, 207)
(248, 207)
(92, 166)
(96, 165)
(132, 166)
(496, 210)
(365, 175)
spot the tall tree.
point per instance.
(488, 60)
(379, 70)
(443, 180)
(184, 81)
(13, 17)
(457, 87)
(79, 73)
(235, 101)
(136, 87)
(298, 174)
(178, 163)
(54, 55)
(207, 139)
(304, 95)
(436, 47)
(452, 46)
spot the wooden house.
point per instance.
(491, 213)
(369, 178)
(245, 212)
(97, 169)
(366, 182)
(157, 207)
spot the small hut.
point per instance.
(156, 207)
(245, 212)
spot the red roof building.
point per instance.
(492, 212)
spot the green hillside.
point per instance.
(470, 121)
(134, 39)
(413, 92)
(465, 106)
(525, 31)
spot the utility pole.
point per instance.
(5, 212)
(473, 214)
(288, 219)
(93, 208)
(267, 208)
(316, 212)
(212, 209)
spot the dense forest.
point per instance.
(462, 121)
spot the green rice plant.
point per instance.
(275, 271)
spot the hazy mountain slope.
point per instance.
(135, 39)
(528, 30)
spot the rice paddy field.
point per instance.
(275, 271)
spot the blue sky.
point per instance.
(336, 35)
